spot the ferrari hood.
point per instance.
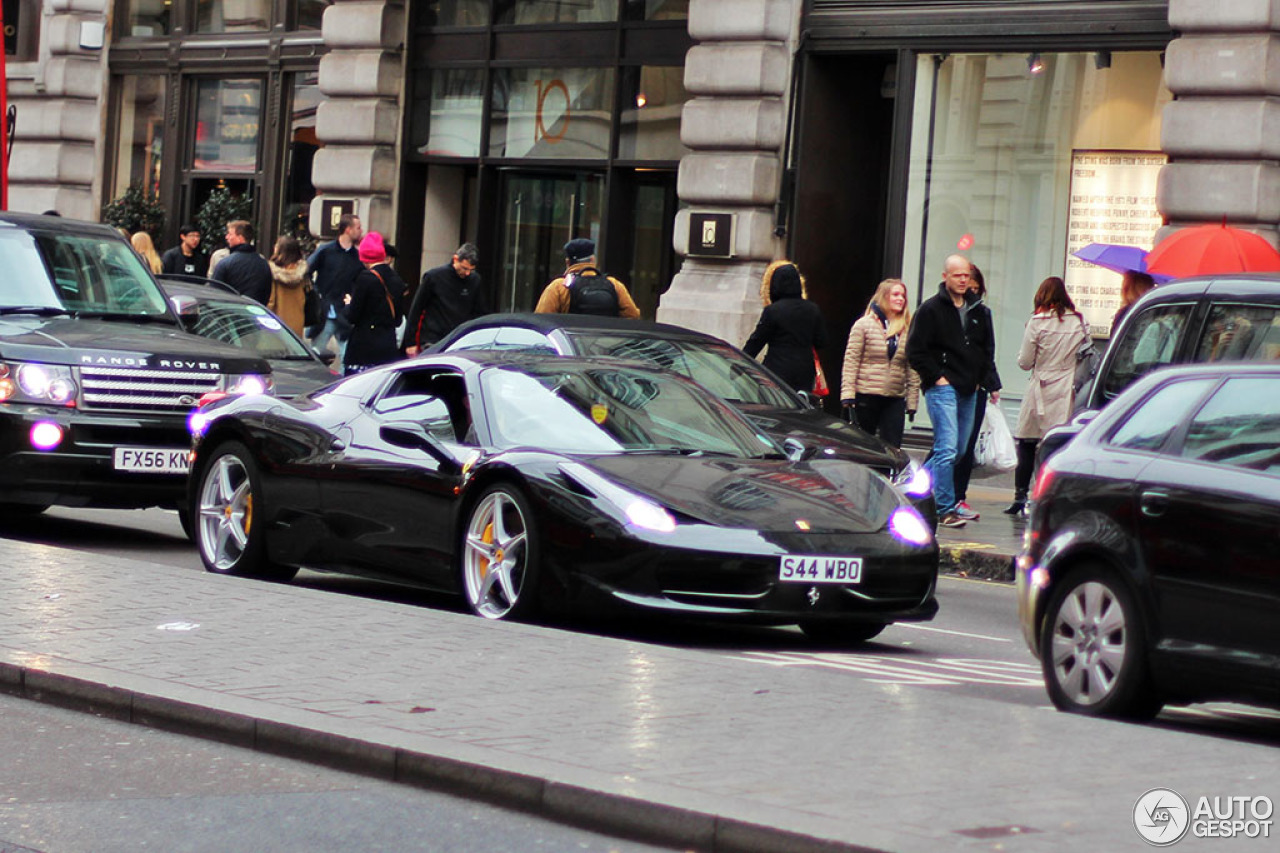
(823, 432)
(823, 496)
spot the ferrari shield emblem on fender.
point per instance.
(599, 413)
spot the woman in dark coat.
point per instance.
(374, 308)
(790, 325)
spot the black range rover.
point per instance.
(97, 375)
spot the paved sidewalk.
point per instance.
(703, 751)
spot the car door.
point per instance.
(389, 500)
(1151, 339)
(1208, 508)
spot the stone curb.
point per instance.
(620, 815)
(968, 562)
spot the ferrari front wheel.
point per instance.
(228, 531)
(500, 556)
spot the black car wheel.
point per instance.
(500, 556)
(840, 632)
(1091, 649)
(229, 541)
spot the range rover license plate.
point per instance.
(798, 568)
(151, 460)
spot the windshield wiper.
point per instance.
(680, 451)
(40, 310)
(120, 315)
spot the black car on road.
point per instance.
(718, 366)
(522, 481)
(1150, 572)
(97, 373)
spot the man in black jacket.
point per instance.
(186, 257)
(947, 347)
(448, 296)
(333, 268)
(244, 269)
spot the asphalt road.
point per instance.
(76, 783)
(973, 647)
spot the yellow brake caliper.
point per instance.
(486, 538)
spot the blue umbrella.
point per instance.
(1118, 258)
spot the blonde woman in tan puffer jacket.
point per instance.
(876, 381)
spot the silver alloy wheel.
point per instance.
(1088, 643)
(495, 560)
(226, 512)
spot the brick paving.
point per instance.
(702, 750)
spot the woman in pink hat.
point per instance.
(374, 308)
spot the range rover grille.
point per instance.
(117, 389)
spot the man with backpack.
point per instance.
(583, 289)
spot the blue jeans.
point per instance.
(952, 416)
(330, 331)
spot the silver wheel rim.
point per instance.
(495, 558)
(226, 512)
(1088, 643)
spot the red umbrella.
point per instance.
(1210, 250)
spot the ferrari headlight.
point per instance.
(640, 511)
(248, 384)
(906, 525)
(32, 382)
(914, 480)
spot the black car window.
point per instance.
(514, 337)
(479, 339)
(1239, 426)
(1150, 341)
(1240, 333)
(436, 400)
(249, 326)
(714, 365)
(1151, 422)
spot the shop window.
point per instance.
(232, 16)
(650, 120)
(551, 113)
(228, 121)
(455, 13)
(295, 200)
(147, 18)
(140, 131)
(657, 10)
(451, 118)
(311, 13)
(556, 11)
(1000, 148)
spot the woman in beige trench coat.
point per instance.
(1049, 344)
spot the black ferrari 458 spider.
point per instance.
(522, 481)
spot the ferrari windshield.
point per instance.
(250, 327)
(613, 409)
(49, 272)
(716, 366)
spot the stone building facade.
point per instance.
(863, 139)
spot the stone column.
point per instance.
(59, 99)
(1222, 132)
(362, 77)
(739, 77)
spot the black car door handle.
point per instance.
(1154, 504)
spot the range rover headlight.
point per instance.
(32, 382)
(914, 480)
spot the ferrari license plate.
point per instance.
(798, 568)
(151, 460)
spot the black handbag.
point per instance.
(312, 307)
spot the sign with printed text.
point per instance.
(711, 235)
(1113, 200)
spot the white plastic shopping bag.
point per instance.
(995, 448)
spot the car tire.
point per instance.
(825, 632)
(1093, 649)
(226, 535)
(499, 532)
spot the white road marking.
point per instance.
(945, 672)
(952, 633)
